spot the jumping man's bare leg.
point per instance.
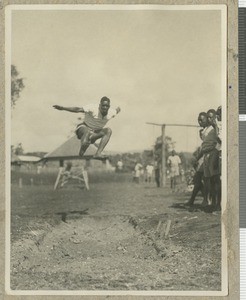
(85, 142)
(105, 138)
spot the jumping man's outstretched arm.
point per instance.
(70, 109)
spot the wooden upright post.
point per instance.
(86, 180)
(163, 156)
(163, 150)
(58, 177)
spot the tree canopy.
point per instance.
(17, 85)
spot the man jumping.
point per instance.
(92, 128)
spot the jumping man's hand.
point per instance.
(58, 107)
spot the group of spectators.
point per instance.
(207, 177)
(153, 170)
(144, 172)
(207, 167)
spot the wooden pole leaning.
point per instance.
(63, 177)
(86, 179)
(58, 177)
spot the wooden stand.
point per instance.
(64, 177)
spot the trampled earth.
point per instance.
(118, 236)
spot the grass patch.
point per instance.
(50, 178)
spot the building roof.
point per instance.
(27, 158)
(70, 150)
(24, 158)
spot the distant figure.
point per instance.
(137, 172)
(39, 168)
(92, 129)
(68, 166)
(119, 166)
(149, 172)
(174, 162)
(182, 174)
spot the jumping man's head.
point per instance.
(203, 119)
(211, 116)
(104, 106)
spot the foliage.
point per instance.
(186, 157)
(169, 146)
(17, 85)
(194, 157)
(129, 160)
(187, 160)
(18, 150)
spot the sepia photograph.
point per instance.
(116, 120)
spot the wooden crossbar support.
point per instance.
(86, 180)
(64, 176)
(58, 177)
(163, 160)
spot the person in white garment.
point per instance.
(174, 163)
(137, 172)
(149, 172)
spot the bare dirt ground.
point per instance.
(114, 237)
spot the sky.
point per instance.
(160, 66)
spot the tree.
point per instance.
(17, 85)
(19, 149)
(169, 146)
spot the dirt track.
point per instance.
(112, 238)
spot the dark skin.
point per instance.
(203, 122)
(198, 184)
(218, 116)
(218, 180)
(88, 136)
(213, 184)
(103, 107)
(211, 118)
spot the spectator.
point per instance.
(211, 159)
(149, 172)
(198, 178)
(119, 166)
(137, 172)
(174, 163)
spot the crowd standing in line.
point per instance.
(206, 175)
(207, 178)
